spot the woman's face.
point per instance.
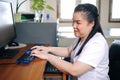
(81, 26)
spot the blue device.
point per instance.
(25, 58)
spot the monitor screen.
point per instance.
(7, 29)
(7, 32)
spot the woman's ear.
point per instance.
(91, 24)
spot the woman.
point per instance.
(88, 53)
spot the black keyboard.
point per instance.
(25, 58)
(51, 69)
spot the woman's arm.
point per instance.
(60, 51)
(75, 69)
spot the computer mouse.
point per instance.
(13, 44)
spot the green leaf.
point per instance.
(49, 7)
(40, 5)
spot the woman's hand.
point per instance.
(41, 48)
(40, 54)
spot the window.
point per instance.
(66, 8)
(114, 32)
(114, 13)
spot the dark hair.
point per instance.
(91, 13)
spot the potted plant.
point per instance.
(17, 15)
(38, 6)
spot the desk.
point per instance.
(32, 71)
(48, 75)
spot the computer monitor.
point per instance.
(7, 29)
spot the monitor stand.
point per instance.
(7, 53)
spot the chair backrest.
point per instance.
(114, 61)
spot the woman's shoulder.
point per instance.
(98, 38)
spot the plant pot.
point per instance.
(17, 17)
(38, 16)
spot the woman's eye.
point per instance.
(78, 22)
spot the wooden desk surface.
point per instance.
(12, 71)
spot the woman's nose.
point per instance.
(74, 25)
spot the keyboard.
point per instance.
(51, 69)
(25, 58)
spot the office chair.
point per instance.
(114, 61)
